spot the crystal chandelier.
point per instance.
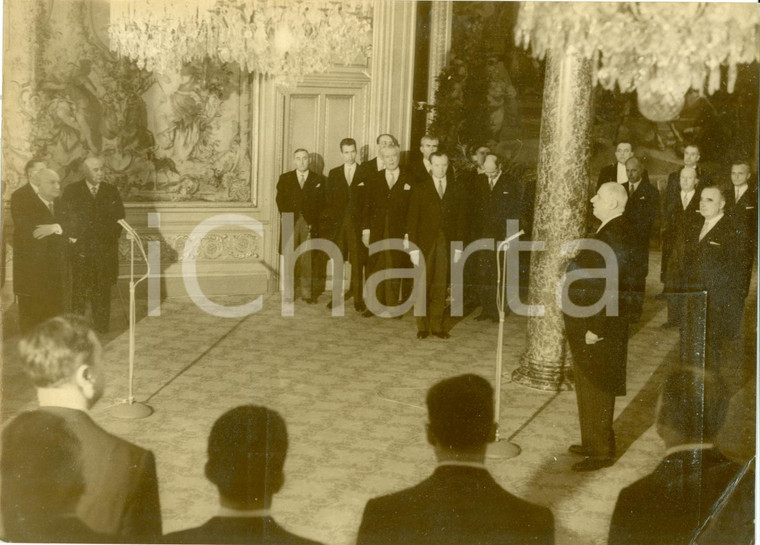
(282, 39)
(659, 49)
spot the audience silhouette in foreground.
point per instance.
(246, 455)
(460, 502)
(673, 504)
(42, 482)
(62, 357)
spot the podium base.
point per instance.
(131, 411)
(502, 450)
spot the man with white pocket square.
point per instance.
(713, 265)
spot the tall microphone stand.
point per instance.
(501, 449)
(129, 408)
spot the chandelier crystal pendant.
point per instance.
(661, 50)
(283, 39)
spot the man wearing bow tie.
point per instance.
(641, 212)
(91, 210)
(713, 265)
(38, 248)
(741, 205)
(297, 194)
(339, 218)
(497, 198)
(435, 219)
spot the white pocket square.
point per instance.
(361, 184)
(642, 198)
(407, 187)
(714, 243)
(749, 207)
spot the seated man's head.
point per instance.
(691, 408)
(246, 455)
(62, 358)
(41, 474)
(461, 417)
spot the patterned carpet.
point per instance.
(352, 392)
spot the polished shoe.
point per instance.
(360, 307)
(441, 334)
(669, 324)
(593, 463)
(368, 313)
(577, 449)
(422, 334)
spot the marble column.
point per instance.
(562, 195)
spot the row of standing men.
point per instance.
(427, 203)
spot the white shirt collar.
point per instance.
(242, 513)
(92, 186)
(709, 224)
(607, 221)
(689, 446)
(479, 465)
(742, 188)
(61, 397)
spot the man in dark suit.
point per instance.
(246, 454)
(372, 166)
(38, 249)
(498, 198)
(616, 172)
(599, 342)
(671, 505)
(386, 206)
(460, 502)
(340, 218)
(672, 189)
(470, 180)
(435, 219)
(713, 259)
(691, 158)
(741, 206)
(420, 169)
(42, 482)
(681, 212)
(62, 357)
(297, 194)
(641, 212)
(91, 211)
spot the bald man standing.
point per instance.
(91, 210)
(599, 342)
(38, 248)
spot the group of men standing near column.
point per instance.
(408, 215)
(65, 242)
(709, 246)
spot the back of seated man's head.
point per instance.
(461, 414)
(691, 408)
(55, 351)
(246, 454)
(41, 474)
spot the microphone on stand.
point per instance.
(130, 408)
(127, 227)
